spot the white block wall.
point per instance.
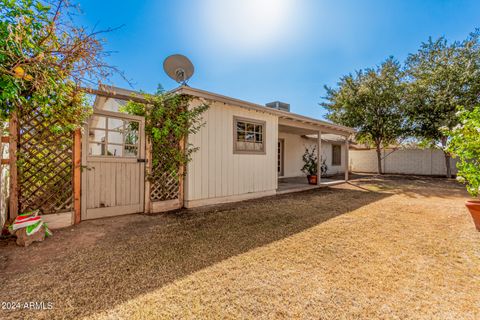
(410, 161)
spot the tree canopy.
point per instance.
(441, 77)
(44, 58)
(417, 100)
(370, 101)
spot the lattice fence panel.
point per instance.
(165, 183)
(45, 170)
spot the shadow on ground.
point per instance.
(98, 264)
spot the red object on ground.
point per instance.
(474, 208)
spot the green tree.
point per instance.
(465, 144)
(370, 101)
(441, 76)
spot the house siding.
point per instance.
(215, 173)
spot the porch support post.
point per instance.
(319, 157)
(148, 171)
(346, 157)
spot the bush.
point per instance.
(465, 144)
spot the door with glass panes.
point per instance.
(114, 165)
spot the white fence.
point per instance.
(404, 161)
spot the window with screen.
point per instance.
(113, 137)
(249, 136)
(336, 155)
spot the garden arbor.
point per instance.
(90, 172)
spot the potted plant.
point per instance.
(310, 164)
(465, 144)
(323, 167)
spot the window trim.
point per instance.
(340, 154)
(253, 121)
(105, 143)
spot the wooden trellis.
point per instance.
(166, 186)
(45, 171)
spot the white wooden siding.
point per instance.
(295, 146)
(215, 172)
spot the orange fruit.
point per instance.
(19, 72)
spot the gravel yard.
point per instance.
(389, 247)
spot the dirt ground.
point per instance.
(377, 248)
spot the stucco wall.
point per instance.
(409, 161)
(215, 173)
(295, 148)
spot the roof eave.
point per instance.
(245, 104)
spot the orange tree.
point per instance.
(44, 58)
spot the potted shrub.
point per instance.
(323, 167)
(310, 164)
(465, 144)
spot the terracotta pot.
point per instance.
(474, 208)
(312, 179)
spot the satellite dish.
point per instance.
(178, 67)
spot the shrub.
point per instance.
(465, 144)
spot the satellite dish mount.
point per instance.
(179, 68)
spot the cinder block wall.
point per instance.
(409, 161)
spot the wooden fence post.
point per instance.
(77, 182)
(181, 172)
(148, 169)
(12, 152)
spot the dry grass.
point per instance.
(407, 249)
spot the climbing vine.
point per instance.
(169, 118)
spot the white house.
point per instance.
(245, 151)
(245, 148)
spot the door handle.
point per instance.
(141, 160)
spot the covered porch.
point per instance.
(328, 142)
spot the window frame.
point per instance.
(333, 154)
(237, 119)
(123, 131)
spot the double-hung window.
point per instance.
(249, 136)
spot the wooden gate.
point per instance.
(113, 178)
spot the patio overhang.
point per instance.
(316, 132)
(298, 126)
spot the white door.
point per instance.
(113, 176)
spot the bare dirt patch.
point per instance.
(379, 247)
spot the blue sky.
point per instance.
(266, 50)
